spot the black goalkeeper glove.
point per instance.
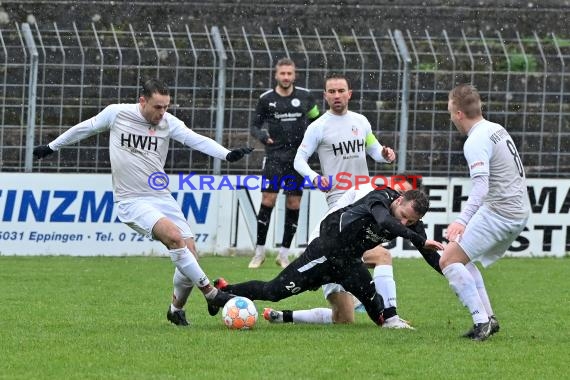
(42, 151)
(237, 154)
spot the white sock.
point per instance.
(188, 266)
(260, 250)
(284, 252)
(385, 285)
(480, 284)
(320, 315)
(463, 284)
(182, 288)
(174, 308)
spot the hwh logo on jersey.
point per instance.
(347, 147)
(138, 141)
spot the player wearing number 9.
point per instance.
(495, 213)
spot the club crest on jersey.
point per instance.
(152, 131)
(295, 102)
(355, 130)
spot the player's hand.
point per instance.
(454, 231)
(388, 154)
(433, 245)
(267, 140)
(41, 151)
(322, 183)
(237, 154)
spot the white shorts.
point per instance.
(331, 288)
(142, 213)
(488, 235)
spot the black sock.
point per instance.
(389, 312)
(291, 219)
(287, 316)
(263, 218)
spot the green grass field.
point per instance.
(104, 318)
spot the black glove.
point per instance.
(237, 154)
(42, 151)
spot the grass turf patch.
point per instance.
(103, 317)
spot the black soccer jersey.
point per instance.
(286, 118)
(367, 223)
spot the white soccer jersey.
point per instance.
(137, 148)
(490, 150)
(342, 143)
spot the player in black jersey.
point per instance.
(285, 111)
(336, 255)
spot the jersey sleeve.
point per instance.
(386, 221)
(308, 146)
(431, 257)
(98, 123)
(313, 109)
(181, 133)
(373, 146)
(258, 120)
(477, 152)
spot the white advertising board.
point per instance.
(74, 214)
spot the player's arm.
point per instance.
(476, 196)
(308, 146)
(430, 256)
(258, 120)
(98, 123)
(206, 145)
(478, 157)
(313, 112)
(386, 221)
(375, 150)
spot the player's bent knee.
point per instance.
(377, 256)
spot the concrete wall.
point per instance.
(379, 15)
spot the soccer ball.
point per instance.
(239, 313)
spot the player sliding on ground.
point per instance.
(336, 255)
(375, 259)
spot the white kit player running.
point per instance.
(342, 139)
(495, 213)
(139, 139)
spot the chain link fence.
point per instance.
(522, 79)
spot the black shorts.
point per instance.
(278, 175)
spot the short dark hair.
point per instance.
(420, 201)
(333, 75)
(152, 86)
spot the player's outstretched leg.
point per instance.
(218, 301)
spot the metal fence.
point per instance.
(523, 81)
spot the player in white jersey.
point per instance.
(342, 139)
(140, 134)
(495, 213)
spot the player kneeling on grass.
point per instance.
(138, 144)
(336, 255)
